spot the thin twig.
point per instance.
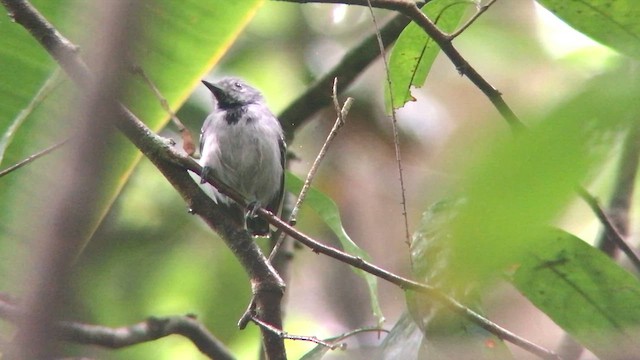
(340, 121)
(285, 335)
(32, 158)
(611, 230)
(480, 11)
(47, 88)
(187, 139)
(394, 126)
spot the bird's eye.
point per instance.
(238, 85)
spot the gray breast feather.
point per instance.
(245, 155)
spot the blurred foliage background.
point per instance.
(148, 256)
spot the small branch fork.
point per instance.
(172, 165)
(411, 10)
(187, 139)
(481, 10)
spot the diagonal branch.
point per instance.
(31, 158)
(411, 10)
(346, 71)
(610, 229)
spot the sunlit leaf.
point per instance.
(446, 335)
(329, 213)
(181, 41)
(583, 291)
(612, 23)
(414, 51)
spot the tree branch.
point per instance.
(619, 206)
(31, 158)
(412, 11)
(318, 95)
(151, 329)
(612, 233)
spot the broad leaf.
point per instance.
(522, 183)
(181, 41)
(583, 291)
(446, 335)
(414, 51)
(612, 23)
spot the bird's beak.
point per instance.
(213, 88)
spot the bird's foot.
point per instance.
(252, 208)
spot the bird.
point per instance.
(242, 144)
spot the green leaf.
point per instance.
(446, 335)
(583, 291)
(181, 41)
(16, 123)
(414, 51)
(521, 184)
(329, 213)
(612, 23)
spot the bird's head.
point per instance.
(233, 92)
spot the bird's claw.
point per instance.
(252, 208)
(205, 172)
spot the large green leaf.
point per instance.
(330, 214)
(446, 335)
(181, 41)
(612, 23)
(414, 51)
(584, 292)
(521, 184)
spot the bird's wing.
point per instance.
(205, 125)
(275, 203)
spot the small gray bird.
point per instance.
(242, 144)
